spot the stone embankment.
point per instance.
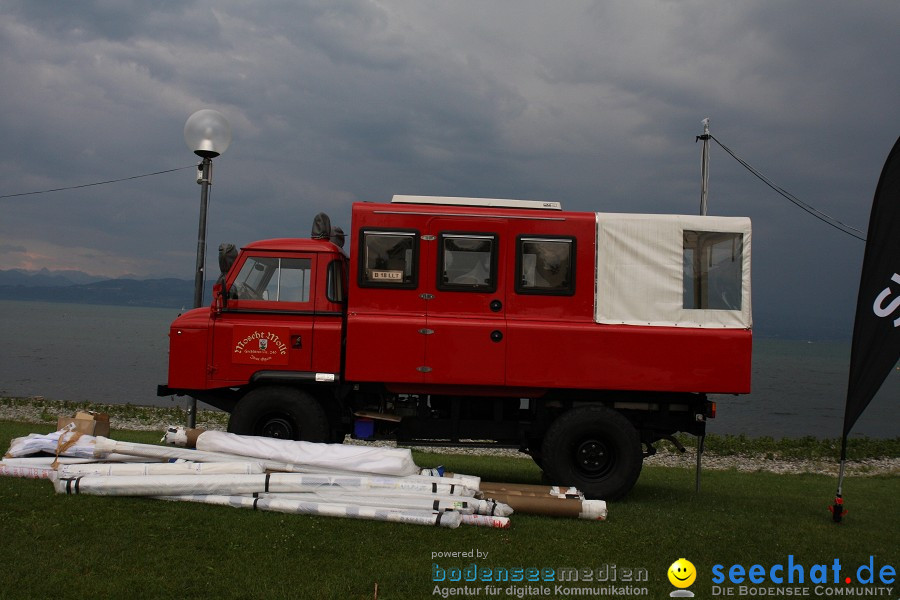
(148, 418)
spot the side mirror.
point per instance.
(220, 298)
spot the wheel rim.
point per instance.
(594, 458)
(277, 426)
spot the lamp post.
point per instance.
(208, 134)
(704, 165)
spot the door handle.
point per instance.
(298, 342)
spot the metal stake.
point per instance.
(700, 443)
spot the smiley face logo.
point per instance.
(682, 573)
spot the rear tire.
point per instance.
(595, 449)
(280, 412)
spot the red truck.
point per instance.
(581, 339)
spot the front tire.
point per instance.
(595, 449)
(280, 412)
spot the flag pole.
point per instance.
(837, 509)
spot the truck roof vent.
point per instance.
(490, 202)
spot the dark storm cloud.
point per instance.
(593, 104)
(115, 20)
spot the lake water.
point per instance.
(116, 354)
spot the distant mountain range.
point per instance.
(46, 278)
(82, 288)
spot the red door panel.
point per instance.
(246, 343)
(385, 348)
(267, 323)
(464, 277)
(386, 314)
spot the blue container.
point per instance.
(364, 429)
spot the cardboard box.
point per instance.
(90, 423)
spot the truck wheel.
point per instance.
(595, 449)
(280, 412)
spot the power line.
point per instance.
(84, 185)
(826, 218)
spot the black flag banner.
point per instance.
(876, 331)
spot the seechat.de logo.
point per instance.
(682, 574)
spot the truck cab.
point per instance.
(580, 338)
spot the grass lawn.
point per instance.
(95, 547)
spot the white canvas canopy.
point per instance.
(673, 271)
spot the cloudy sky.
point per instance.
(594, 104)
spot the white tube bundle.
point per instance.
(286, 476)
(105, 448)
(181, 468)
(463, 506)
(27, 472)
(62, 443)
(386, 501)
(49, 461)
(486, 521)
(593, 510)
(174, 485)
(452, 481)
(440, 519)
(360, 459)
(471, 481)
(42, 467)
(476, 506)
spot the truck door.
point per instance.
(267, 323)
(465, 289)
(386, 317)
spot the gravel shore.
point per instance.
(42, 412)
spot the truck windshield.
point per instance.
(273, 279)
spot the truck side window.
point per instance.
(335, 286)
(273, 279)
(467, 262)
(713, 263)
(389, 259)
(545, 265)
